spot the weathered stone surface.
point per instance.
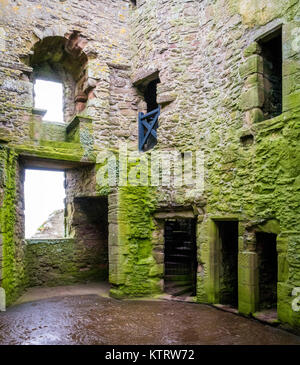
(2, 300)
(211, 92)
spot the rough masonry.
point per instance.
(211, 62)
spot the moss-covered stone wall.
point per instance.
(134, 272)
(53, 262)
(207, 57)
(11, 228)
(209, 67)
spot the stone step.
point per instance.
(179, 290)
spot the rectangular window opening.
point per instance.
(271, 51)
(148, 123)
(48, 95)
(44, 194)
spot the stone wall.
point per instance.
(206, 55)
(24, 26)
(11, 225)
(202, 51)
(53, 262)
(27, 23)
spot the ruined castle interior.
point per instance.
(221, 77)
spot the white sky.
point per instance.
(44, 193)
(44, 190)
(49, 96)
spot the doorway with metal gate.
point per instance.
(180, 257)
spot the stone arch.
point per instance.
(63, 59)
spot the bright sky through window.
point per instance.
(44, 193)
(49, 96)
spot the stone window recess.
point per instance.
(262, 74)
(271, 52)
(148, 123)
(62, 59)
(146, 83)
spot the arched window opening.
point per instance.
(62, 60)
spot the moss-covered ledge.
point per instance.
(48, 241)
(77, 126)
(62, 151)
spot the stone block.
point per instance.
(166, 98)
(291, 40)
(291, 101)
(248, 276)
(78, 128)
(144, 75)
(283, 268)
(290, 67)
(254, 115)
(248, 298)
(2, 300)
(252, 98)
(253, 49)
(290, 84)
(248, 260)
(253, 64)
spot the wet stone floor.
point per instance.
(91, 320)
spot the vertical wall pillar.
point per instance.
(202, 259)
(2, 300)
(116, 274)
(248, 282)
(213, 283)
(288, 287)
(291, 72)
(11, 225)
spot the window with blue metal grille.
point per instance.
(148, 123)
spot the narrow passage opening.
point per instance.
(90, 221)
(228, 236)
(268, 267)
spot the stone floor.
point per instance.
(39, 293)
(84, 314)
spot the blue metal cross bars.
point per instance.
(148, 124)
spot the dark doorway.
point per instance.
(180, 257)
(268, 267)
(90, 222)
(228, 239)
